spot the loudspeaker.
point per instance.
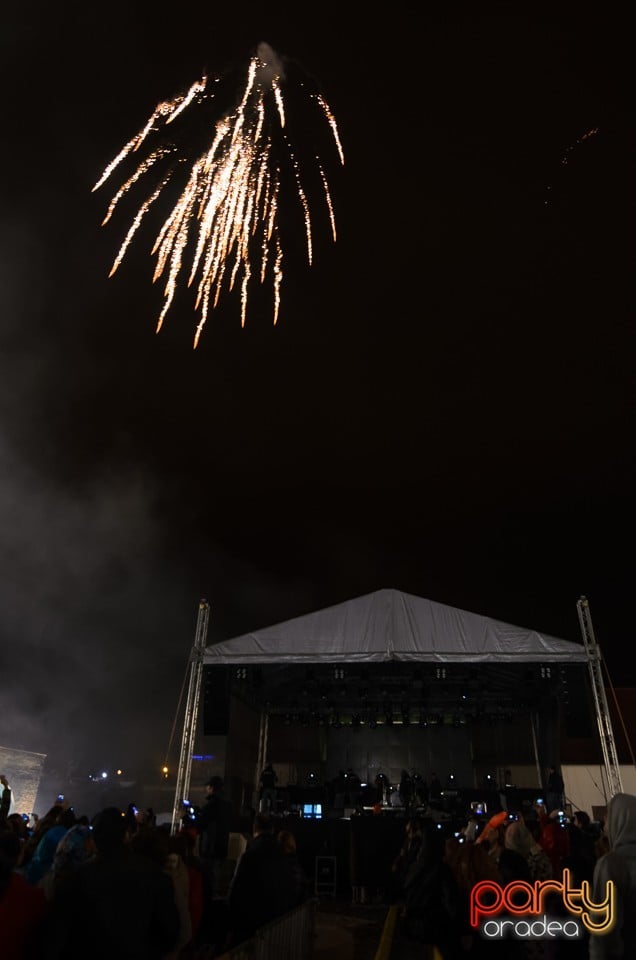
(216, 700)
(580, 717)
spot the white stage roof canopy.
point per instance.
(391, 625)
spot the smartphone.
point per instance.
(60, 797)
(540, 800)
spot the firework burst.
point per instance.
(225, 220)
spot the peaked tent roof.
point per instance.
(391, 625)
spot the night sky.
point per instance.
(445, 406)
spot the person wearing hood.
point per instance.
(619, 866)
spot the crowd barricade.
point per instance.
(289, 937)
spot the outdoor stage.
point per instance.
(474, 724)
(389, 682)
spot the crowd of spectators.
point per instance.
(435, 870)
(119, 885)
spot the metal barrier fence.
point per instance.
(290, 937)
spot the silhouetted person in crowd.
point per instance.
(23, 908)
(42, 860)
(184, 844)
(352, 788)
(288, 844)
(404, 859)
(619, 866)
(581, 859)
(41, 826)
(554, 790)
(5, 799)
(513, 866)
(263, 886)
(339, 787)
(75, 848)
(435, 788)
(406, 789)
(420, 788)
(214, 835)
(20, 826)
(431, 896)
(382, 786)
(267, 799)
(470, 864)
(554, 838)
(119, 905)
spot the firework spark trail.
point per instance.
(231, 199)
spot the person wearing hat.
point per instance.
(214, 834)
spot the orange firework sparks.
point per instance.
(227, 214)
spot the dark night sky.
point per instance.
(445, 407)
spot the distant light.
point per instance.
(104, 775)
(119, 773)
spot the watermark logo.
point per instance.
(525, 907)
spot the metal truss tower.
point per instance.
(182, 786)
(603, 719)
